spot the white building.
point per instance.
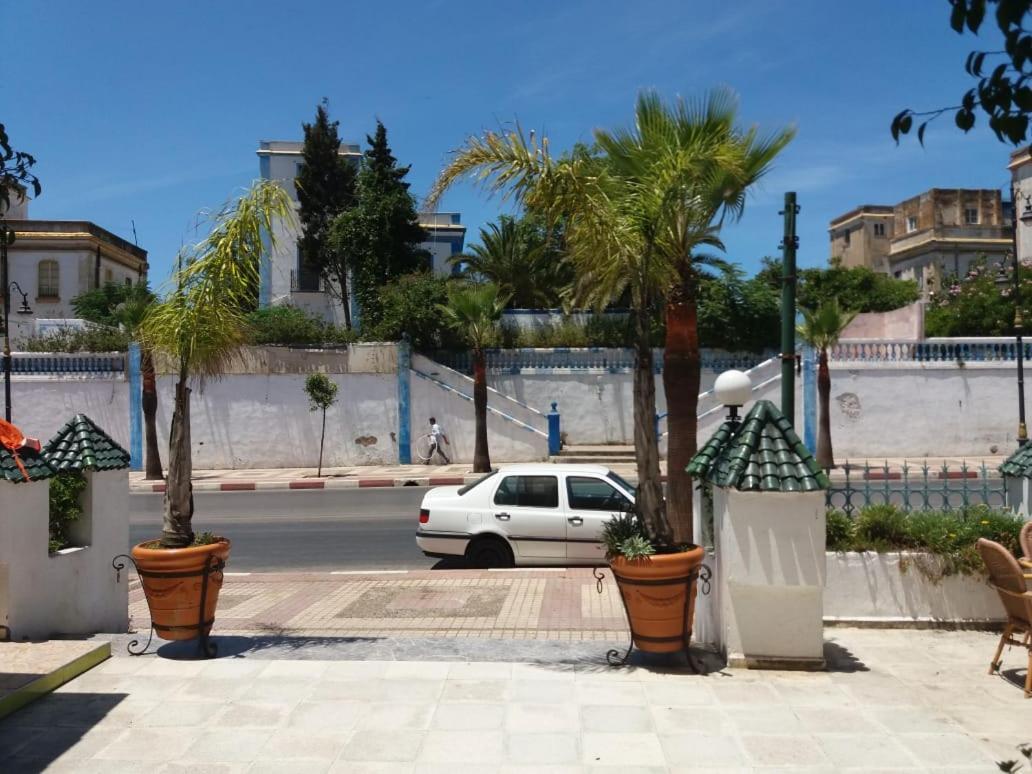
(285, 278)
(53, 261)
(1021, 179)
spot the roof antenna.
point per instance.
(133, 222)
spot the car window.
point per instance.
(476, 483)
(528, 492)
(594, 494)
(621, 482)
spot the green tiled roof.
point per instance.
(35, 465)
(1019, 464)
(762, 453)
(82, 445)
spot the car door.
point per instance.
(590, 502)
(525, 508)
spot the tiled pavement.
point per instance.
(892, 701)
(511, 604)
(459, 473)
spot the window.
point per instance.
(476, 483)
(971, 215)
(306, 279)
(593, 494)
(528, 492)
(845, 236)
(49, 285)
(109, 276)
(911, 224)
(128, 282)
(879, 229)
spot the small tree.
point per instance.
(474, 310)
(322, 393)
(15, 172)
(821, 329)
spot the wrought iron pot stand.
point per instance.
(700, 575)
(213, 568)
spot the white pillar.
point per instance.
(770, 580)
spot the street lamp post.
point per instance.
(7, 239)
(1026, 218)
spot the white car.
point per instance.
(533, 514)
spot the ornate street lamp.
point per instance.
(7, 239)
(733, 389)
(1026, 218)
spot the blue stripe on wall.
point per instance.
(810, 398)
(404, 403)
(135, 409)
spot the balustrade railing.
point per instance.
(584, 359)
(941, 350)
(57, 364)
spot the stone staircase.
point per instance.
(595, 455)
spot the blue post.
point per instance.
(135, 409)
(810, 398)
(404, 403)
(554, 438)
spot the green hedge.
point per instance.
(947, 535)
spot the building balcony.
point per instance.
(971, 237)
(306, 282)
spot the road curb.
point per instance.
(307, 484)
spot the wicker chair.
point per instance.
(1025, 539)
(1005, 575)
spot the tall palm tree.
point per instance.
(473, 311)
(202, 323)
(821, 329)
(130, 315)
(516, 256)
(639, 208)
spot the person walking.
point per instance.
(436, 436)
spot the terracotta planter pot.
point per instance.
(173, 581)
(659, 594)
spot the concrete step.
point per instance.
(597, 451)
(593, 460)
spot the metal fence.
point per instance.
(917, 488)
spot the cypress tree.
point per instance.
(381, 233)
(325, 186)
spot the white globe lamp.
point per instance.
(733, 389)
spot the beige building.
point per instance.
(1021, 178)
(939, 232)
(53, 261)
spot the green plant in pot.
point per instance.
(199, 328)
(642, 210)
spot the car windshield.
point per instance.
(476, 483)
(622, 483)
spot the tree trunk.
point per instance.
(481, 456)
(681, 384)
(179, 504)
(825, 456)
(646, 451)
(342, 281)
(152, 457)
(322, 438)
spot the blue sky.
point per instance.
(152, 112)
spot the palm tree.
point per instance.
(473, 311)
(638, 209)
(518, 257)
(821, 329)
(130, 315)
(202, 323)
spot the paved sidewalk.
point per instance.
(498, 604)
(892, 701)
(253, 479)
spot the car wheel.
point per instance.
(487, 552)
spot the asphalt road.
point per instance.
(311, 530)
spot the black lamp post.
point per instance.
(6, 239)
(1026, 218)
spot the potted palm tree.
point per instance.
(821, 329)
(199, 328)
(639, 208)
(473, 311)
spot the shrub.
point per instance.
(290, 326)
(92, 338)
(65, 507)
(839, 528)
(409, 305)
(948, 536)
(624, 535)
